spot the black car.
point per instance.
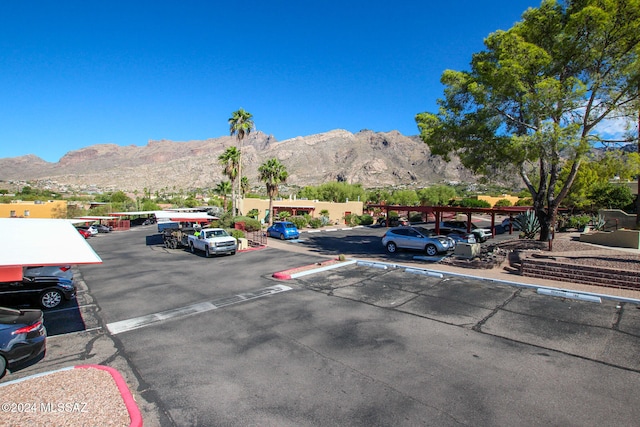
(22, 337)
(393, 222)
(104, 228)
(47, 292)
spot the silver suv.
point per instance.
(416, 238)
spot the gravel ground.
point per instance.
(578, 253)
(74, 397)
(565, 250)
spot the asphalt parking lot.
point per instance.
(220, 342)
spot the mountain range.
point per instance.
(372, 159)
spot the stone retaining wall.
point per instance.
(597, 276)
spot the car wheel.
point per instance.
(191, 248)
(431, 250)
(281, 236)
(3, 366)
(233, 253)
(392, 248)
(51, 298)
(206, 252)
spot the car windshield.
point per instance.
(217, 233)
(290, 225)
(425, 231)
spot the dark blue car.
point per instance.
(283, 230)
(22, 337)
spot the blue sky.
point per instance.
(79, 73)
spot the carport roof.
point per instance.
(96, 218)
(183, 216)
(39, 241)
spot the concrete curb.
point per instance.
(294, 273)
(550, 290)
(127, 397)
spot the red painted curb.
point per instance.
(286, 274)
(255, 248)
(282, 275)
(129, 401)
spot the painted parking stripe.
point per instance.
(201, 307)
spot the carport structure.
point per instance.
(439, 212)
(39, 241)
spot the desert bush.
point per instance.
(315, 222)
(416, 217)
(238, 234)
(299, 221)
(250, 224)
(502, 203)
(366, 219)
(352, 219)
(472, 203)
(525, 202)
(578, 221)
(284, 215)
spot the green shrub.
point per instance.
(284, 215)
(352, 219)
(472, 203)
(502, 203)
(299, 221)
(578, 221)
(366, 219)
(226, 221)
(525, 202)
(315, 222)
(416, 217)
(238, 234)
(250, 224)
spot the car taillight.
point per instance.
(27, 329)
(65, 268)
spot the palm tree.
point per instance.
(244, 186)
(223, 189)
(230, 160)
(272, 173)
(240, 125)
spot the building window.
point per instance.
(12, 214)
(26, 212)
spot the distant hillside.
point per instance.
(373, 159)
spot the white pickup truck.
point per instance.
(213, 241)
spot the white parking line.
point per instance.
(142, 321)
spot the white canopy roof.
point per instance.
(96, 218)
(38, 241)
(183, 216)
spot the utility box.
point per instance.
(467, 250)
(243, 243)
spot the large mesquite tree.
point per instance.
(533, 99)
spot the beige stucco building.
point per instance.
(36, 209)
(337, 211)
